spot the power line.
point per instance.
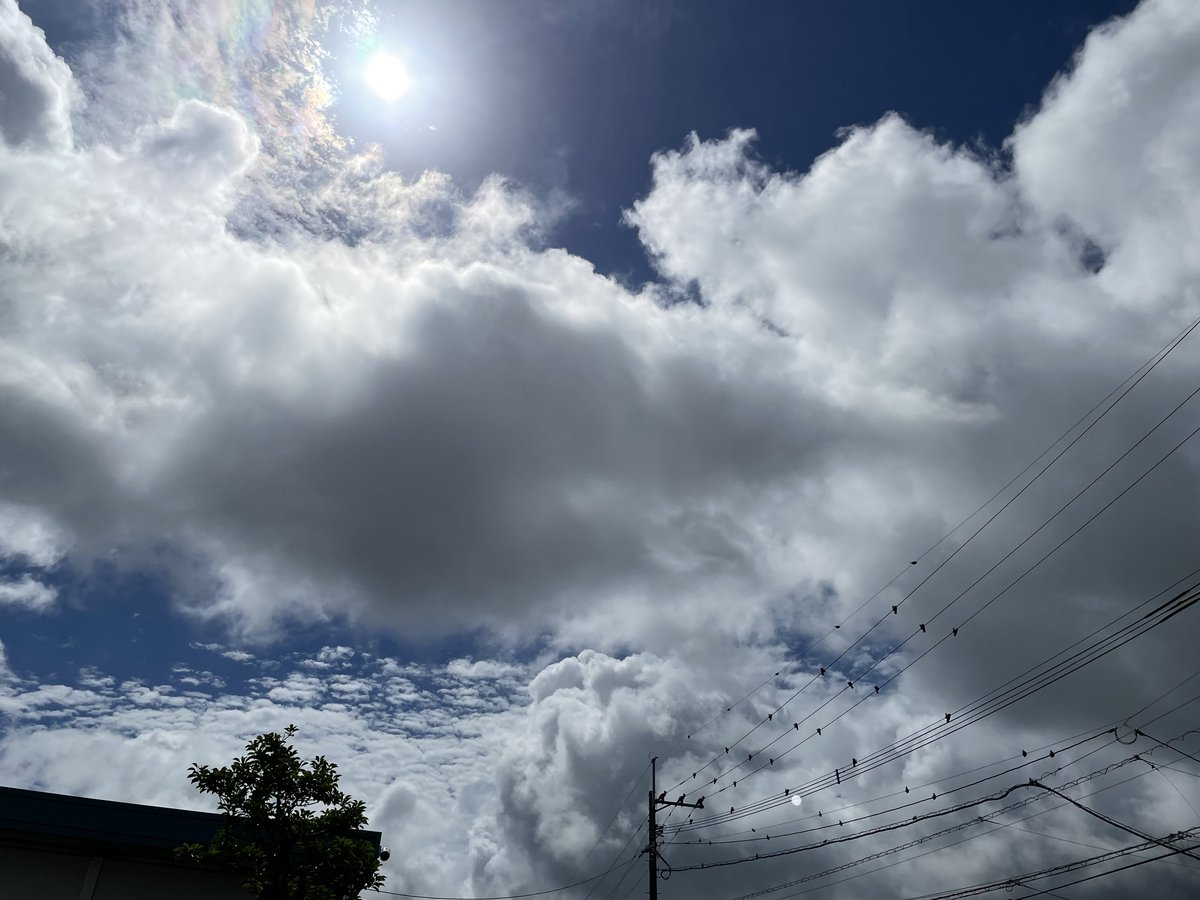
(850, 821)
(1176, 749)
(1103, 818)
(1180, 771)
(991, 703)
(612, 892)
(907, 823)
(1173, 709)
(1105, 729)
(1051, 871)
(1175, 788)
(1007, 556)
(1129, 383)
(1140, 862)
(595, 879)
(963, 825)
(601, 835)
(625, 849)
(633, 887)
(1096, 731)
(944, 832)
(954, 631)
(1022, 803)
(1166, 693)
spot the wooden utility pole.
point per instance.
(652, 849)
(653, 803)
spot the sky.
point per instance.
(800, 394)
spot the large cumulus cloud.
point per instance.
(36, 89)
(460, 421)
(456, 422)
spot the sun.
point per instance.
(386, 76)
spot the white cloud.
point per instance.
(199, 149)
(419, 759)
(238, 656)
(482, 668)
(30, 535)
(512, 797)
(1113, 151)
(411, 384)
(28, 593)
(36, 88)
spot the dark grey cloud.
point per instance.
(509, 458)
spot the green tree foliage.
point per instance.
(288, 828)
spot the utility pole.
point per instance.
(653, 804)
(652, 847)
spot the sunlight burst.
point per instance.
(386, 76)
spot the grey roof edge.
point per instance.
(43, 817)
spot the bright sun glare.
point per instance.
(386, 76)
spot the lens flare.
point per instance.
(386, 76)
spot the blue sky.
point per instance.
(636, 360)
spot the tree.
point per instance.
(288, 828)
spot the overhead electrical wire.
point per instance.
(841, 821)
(1144, 708)
(1152, 363)
(922, 628)
(907, 823)
(1135, 377)
(1096, 814)
(1165, 694)
(1124, 388)
(612, 892)
(925, 839)
(1155, 362)
(1141, 733)
(1180, 771)
(1106, 729)
(1012, 881)
(633, 887)
(615, 815)
(1174, 709)
(954, 631)
(989, 704)
(924, 737)
(1098, 731)
(814, 876)
(620, 853)
(906, 790)
(934, 835)
(1059, 887)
